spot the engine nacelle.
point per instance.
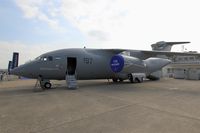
(155, 64)
(126, 64)
(123, 65)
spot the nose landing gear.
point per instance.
(45, 84)
(42, 84)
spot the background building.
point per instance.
(183, 67)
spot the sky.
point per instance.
(33, 27)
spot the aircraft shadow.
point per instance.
(82, 85)
(16, 91)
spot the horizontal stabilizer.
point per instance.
(173, 43)
(165, 46)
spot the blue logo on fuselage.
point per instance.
(117, 63)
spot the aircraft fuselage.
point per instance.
(86, 64)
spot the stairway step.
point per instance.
(71, 81)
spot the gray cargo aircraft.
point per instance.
(84, 64)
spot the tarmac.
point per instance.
(165, 106)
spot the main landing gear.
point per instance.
(136, 77)
(117, 80)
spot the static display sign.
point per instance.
(117, 63)
(15, 60)
(9, 66)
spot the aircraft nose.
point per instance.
(16, 71)
(19, 71)
(26, 70)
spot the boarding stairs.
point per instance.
(71, 81)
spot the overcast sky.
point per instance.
(33, 27)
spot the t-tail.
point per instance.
(165, 46)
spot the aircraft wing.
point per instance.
(146, 54)
(108, 51)
(142, 54)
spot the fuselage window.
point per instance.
(57, 58)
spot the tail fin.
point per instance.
(165, 46)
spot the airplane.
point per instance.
(84, 64)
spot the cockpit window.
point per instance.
(38, 58)
(44, 58)
(50, 58)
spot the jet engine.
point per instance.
(126, 64)
(155, 64)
